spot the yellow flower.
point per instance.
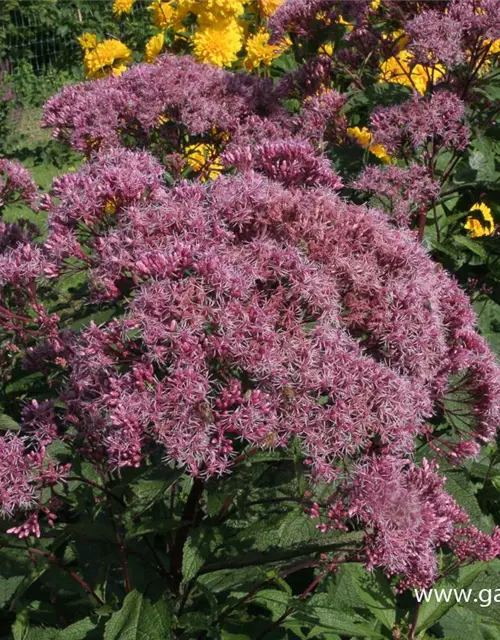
(326, 49)
(109, 56)
(259, 51)
(348, 25)
(88, 41)
(398, 69)
(110, 206)
(268, 7)
(203, 157)
(153, 47)
(164, 14)
(214, 12)
(375, 4)
(218, 44)
(364, 137)
(477, 228)
(122, 6)
(493, 49)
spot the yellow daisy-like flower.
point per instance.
(365, 138)
(153, 47)
(122, 6)
(211, 13)
(398, 69)
(259, 51)
(203, 157)
(109, 56)
(375, 4)
(477, 228)
(268, 7)
(218, 44)
(164, 14)
(88, 41)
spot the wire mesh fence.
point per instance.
(41, 45)
(43, 33)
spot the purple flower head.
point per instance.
(436, 38)
(342, 326)
(307, 18)
(174, 92)
(403, 192)
(321, 120)
(23, 477)
(16, 184)
(292, 163)
(417, 121)
(410, 514)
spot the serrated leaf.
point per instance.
(199, 548)
(80, 630)
(459, 486)
(141, 618)
(320, 612)
(472, 245)
(432, 611)
(374, 590)
(273, 600)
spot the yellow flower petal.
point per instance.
(218, 44)
(478, 228)
(109, 56)
(364, 137)
(122, 6)
(203, 157)
(259, 51)
(153, 47)
(87, 41)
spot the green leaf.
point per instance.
(320, 612)
(482, 159)
(460, 623)
(273, 600)
(489, 322)
(472, 245)
(432, 611)
(459, 486)
(81, 630)
(141, 618)
(199, 547)
(7, 423)
(374, 590)
(150, 525)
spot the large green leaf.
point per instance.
(432, 611)
(320, 612)
(141, 618)
(199, 547)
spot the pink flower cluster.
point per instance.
(403, 192)
(411, 125)
(16, 184)
(23, 477)
(260, 307)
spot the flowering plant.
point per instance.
(234, 367)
